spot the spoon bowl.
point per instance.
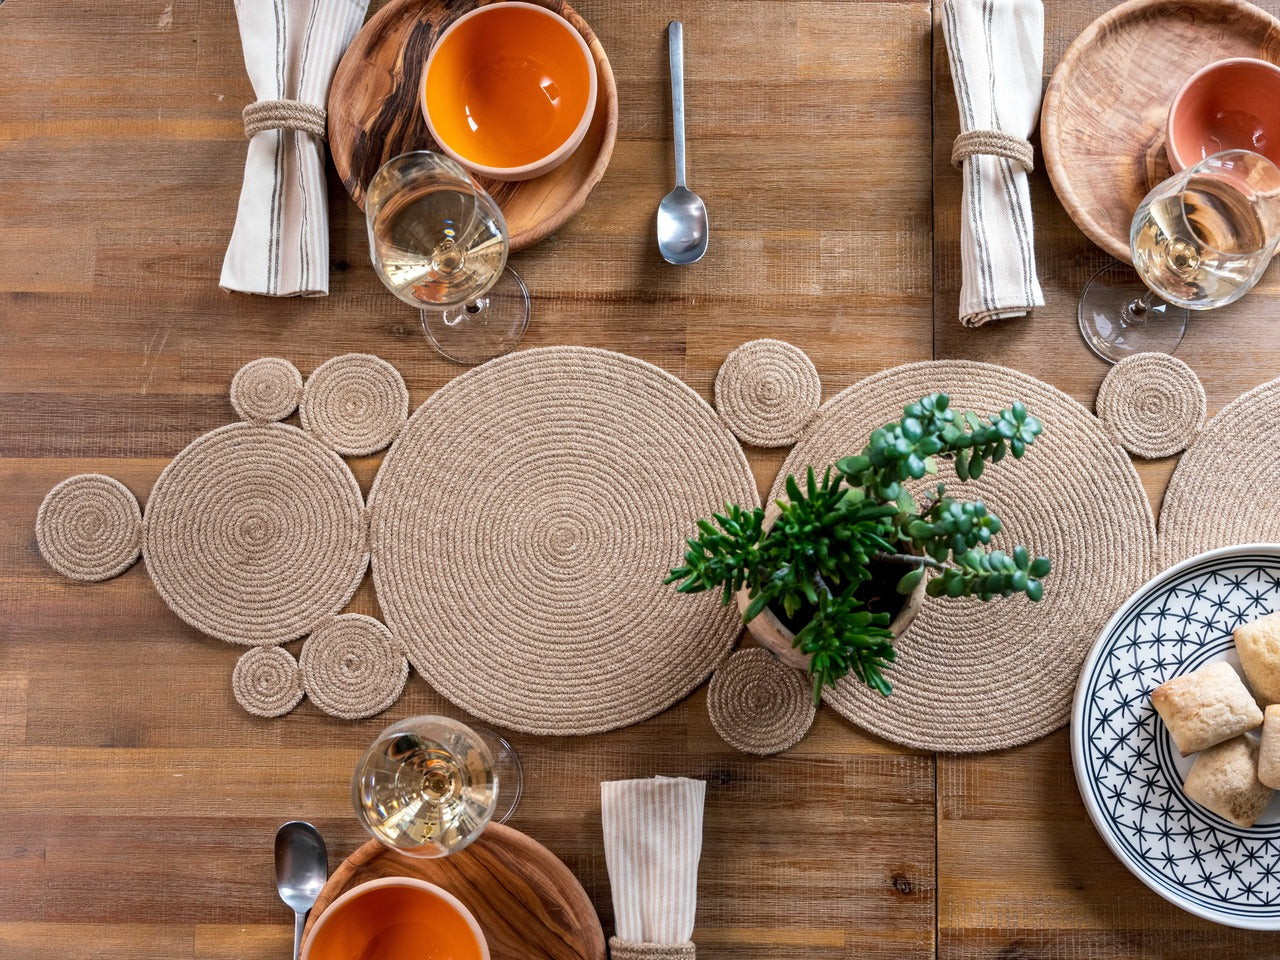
(682, 227)
(302, 867)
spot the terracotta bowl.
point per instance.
(1231, 104)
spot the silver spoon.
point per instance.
(302, 866)
(682, 216)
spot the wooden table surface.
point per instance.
(138, 802)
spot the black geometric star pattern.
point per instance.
(1178, 848)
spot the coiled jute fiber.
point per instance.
(267, 681)
(1223, 491)
(355, 403)
(521, 529)
(767, 390)
(1154, 403)
(972, 676)
(627, 950)
(89, 527)
(352, 667)
(266, 390)
(255, 533)
(758, 704)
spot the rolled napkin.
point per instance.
(652, 842)
(997, 52)
(280, 243)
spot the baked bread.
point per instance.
(1258, 644)
(1225, 779)
(1206, 707)
(1269, 750)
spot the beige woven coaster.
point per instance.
(352, 667)
(267, 681)
(1223, 491)
(356, 403)
(89, 527)
(255, 533)
(1153, 402)
(266, 390)
(758, 704)
(627, 950)
(521, 528)
(767, 390)
(973, 676)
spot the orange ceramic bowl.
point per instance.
(396, 918)
(509, 90)
(1228, 105)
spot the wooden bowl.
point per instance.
(526, 901)
(374, 115)
(1102, 126)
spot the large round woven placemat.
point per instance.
(255, 533)
(1224, 489)
(973, 676)
(522, 526)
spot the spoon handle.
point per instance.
(675, 52)
(300, 921)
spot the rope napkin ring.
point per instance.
(627, 950)
(992, 143)
(284, 115)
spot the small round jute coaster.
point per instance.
(1223, 491)
(89, 527)
(767, 390)
(267, 681)
(356, 403)
(266, 390)
(522, 526)
(627, 950)
(352, 667)
(1154, 403)
(972, 676)
(758, 704)
(255, 533)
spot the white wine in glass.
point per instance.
(1199, 240)
(439, 242)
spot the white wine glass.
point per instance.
(427, 786)
(1200, 240)
(439, 242)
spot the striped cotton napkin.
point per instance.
(997, 52)
(652, 842)
(280, 243)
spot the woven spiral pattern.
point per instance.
(521, 529)
(352, 667)
(256, 532)
(758, 704)
(355, 403)
(767, 390)
(89, 527)
(266, 390)
(626, 950)
(267, 681)
(1154, 403)
(1224, 489)
(973, 676)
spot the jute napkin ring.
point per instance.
(992, 143)
(629, 950)
(284, 115)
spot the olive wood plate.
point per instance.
(1103, 121)
(374, 115)
(526, 901)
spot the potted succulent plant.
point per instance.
(831, 576)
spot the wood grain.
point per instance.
(526, 901)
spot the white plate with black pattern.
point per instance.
(1129, 773)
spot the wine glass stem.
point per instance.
(1136, 311)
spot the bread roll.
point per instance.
(1258, 644)
(1269, 751)
(1206, 707)
(1225, 779)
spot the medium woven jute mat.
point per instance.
(972, 676)
(521, 528)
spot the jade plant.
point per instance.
(832, 536)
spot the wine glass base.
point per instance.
(487, 328)
(1112, 330)
(507, 768)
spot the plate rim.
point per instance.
(1077, 737)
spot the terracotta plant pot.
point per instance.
(776, 637)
